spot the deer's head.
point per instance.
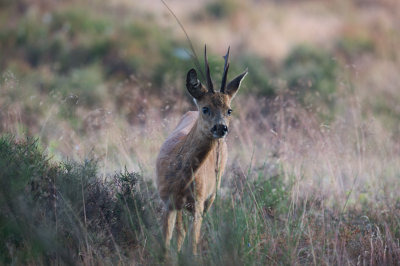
(214, 106)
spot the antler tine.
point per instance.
(209, 81)
(226, 67)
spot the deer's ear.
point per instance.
(234, 85)
(194, 86)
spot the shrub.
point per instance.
(63, 212)
(23, 237)
(174, 65)
(86, 84)
(134, 207)
(221, 9)
(259, 79)
(79, 22)
(354, 46)
(312, 74)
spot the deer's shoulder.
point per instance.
(186, 123)
(182, 129)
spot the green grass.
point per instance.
(93, 80)
(54, 212)
(62, 212)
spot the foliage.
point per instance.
(259, 80)
(354, 46)
(85, 85)
(310, 70)
(221, 9)
(53, 212)
(63, 212)
(66, 69)
(312, 74)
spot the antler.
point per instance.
(226, 67)
(209, 81)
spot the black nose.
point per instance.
(219, 130)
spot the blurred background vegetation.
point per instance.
(90, 89)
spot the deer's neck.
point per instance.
(199, 147)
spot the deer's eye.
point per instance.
(230, 111)
(205, 110)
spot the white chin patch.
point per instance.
(215, 136)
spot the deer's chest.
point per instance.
(208, 176)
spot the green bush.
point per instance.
(353, 47)
(174, 65)
(86, 84)
(311, 73)
(62, 212)
(23, 238)
(309, 69)
(79, 22)
(221, 9)
(259, 77)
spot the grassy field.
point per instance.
(89, 90)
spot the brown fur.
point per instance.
(186, 170)
(192, 159)
(183, 154)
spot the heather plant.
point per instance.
(62, 212)
(312, 74)
(313, 170)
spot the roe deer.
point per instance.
(192, 159)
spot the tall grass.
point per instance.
(313, 170)
(61, 212)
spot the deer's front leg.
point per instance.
(209, 202)
(198, 218)
(180, 229)
(168, 226)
